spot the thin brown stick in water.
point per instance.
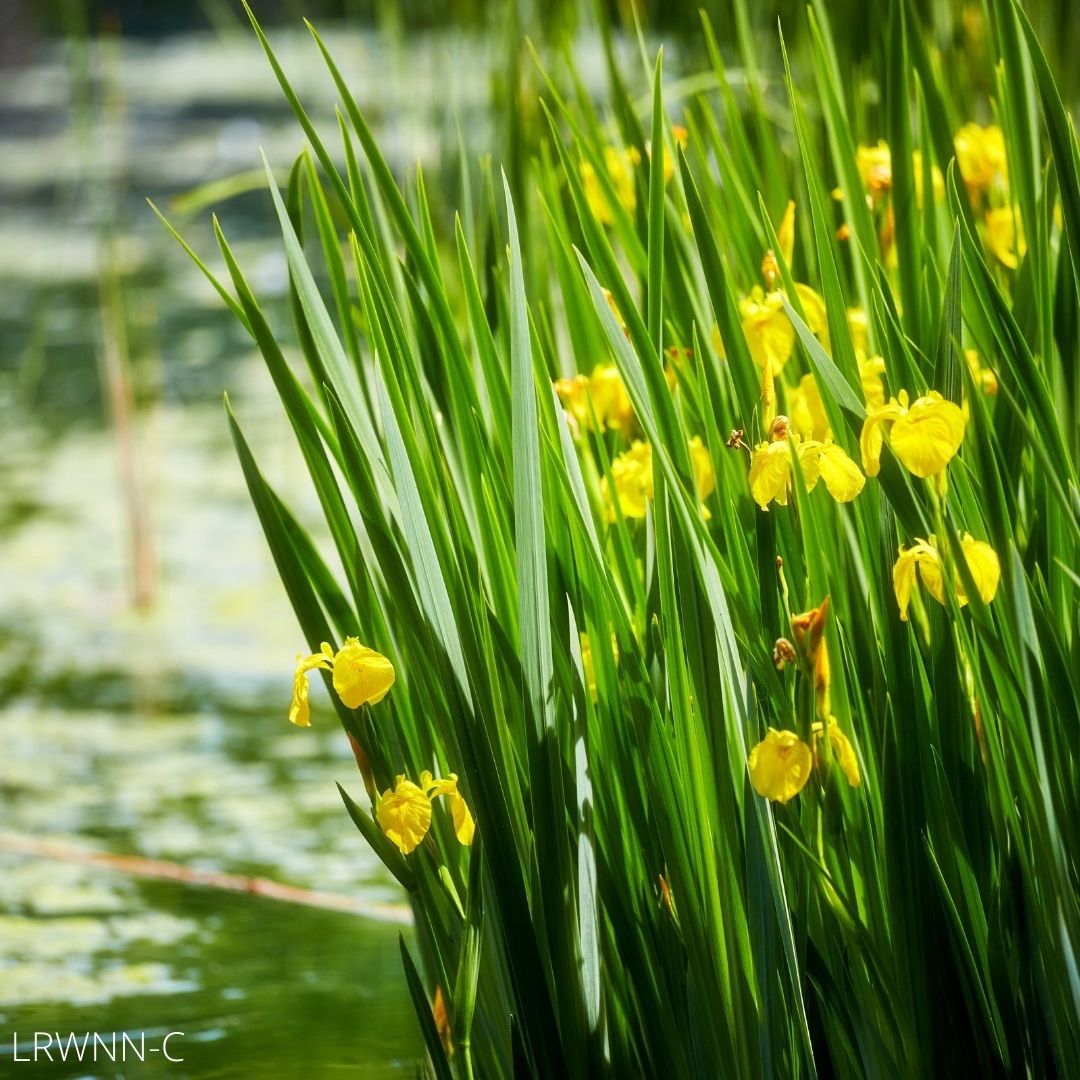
(137, 865)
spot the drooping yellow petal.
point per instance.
(841, 475)
(929, 560)
(903, 578)
(779, 765)
(464, 826)
(928, 435)
(842, 749)
(870, 438)
(405, 815)
(362, 676)
(984, 566)
(770, 470)
(299, 710)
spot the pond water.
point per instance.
(160, 731)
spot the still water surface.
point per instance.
(162, 733)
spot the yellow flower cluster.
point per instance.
(405, 812)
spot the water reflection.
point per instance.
(162, 733)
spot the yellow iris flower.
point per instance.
(770, 467)
(1005, 235)
(875, 169)
(598, 399)
(980, 156)
(780, 765)
(404, 813)
(925, 436)
(361, 676)
(619, 165)
(632, 472)
(770, 335)
(922, 561)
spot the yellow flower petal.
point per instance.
(779, 765)
(632, 474)
(841, 475)
(928, 435)
(842, 749)
(361, 675)
(464, 825)
(903, 577)
(770, 470)
(814, 309)
(845, 754)
(769, 333)
(405, 815)
(984, 566)
(299, 710)
(980, 156)
(870, 438)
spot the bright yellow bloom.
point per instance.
(405, 814)
(780, 765)
(1005, 235)
(842, 748)
(875, 168)
(361, 676)
(597, 399)
(924, 558)
(980, 156)
(619, 165)
(925, 437)
(984, 378)
(769, 333)
(464, 826)
(632, 474)
(770, 468)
